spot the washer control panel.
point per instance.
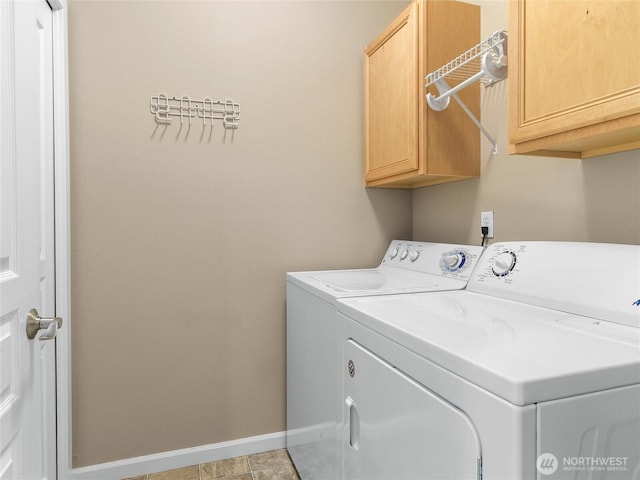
(435, 258)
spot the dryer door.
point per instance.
(396, 428)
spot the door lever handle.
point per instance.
(35, 323)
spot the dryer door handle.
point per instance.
(354, 423)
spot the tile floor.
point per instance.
(273, 465)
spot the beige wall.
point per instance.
(533, 198)
(180, 241)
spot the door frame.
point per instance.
(59, 10)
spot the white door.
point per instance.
(27, 367)
(397, 429)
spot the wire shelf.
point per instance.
(470, 62)
(486, 63)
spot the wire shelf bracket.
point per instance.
(164, 108)
(486, 62)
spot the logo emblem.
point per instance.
(636, 303)
(547, 464)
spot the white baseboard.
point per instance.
(160, 462)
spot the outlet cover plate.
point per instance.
(486, 220)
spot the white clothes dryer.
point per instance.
(531, 372)
(313, 352)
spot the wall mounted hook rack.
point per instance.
(164, 108)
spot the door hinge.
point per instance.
(479, 469)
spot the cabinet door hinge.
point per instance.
(479, 469)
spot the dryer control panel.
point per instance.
(444, 259)
(501, 262)
(592, 279)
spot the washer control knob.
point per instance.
(394, 252)
(403, 253)
(504, 263)
(452, 261)
(413, 255)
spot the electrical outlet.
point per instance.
(486, 220)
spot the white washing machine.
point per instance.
(313, 352)
(533, 371)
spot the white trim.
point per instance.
(62, 230)
(181, 458)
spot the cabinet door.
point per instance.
(396, 428)
(573, 68)
(391, 98)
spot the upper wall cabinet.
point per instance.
(574, 87)
(407, 144)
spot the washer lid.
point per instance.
(525, 354)
(332, 284)
(407, 267)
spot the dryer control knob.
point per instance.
(413, 256)
(503, 264)
(403, 253)
(394, 253)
